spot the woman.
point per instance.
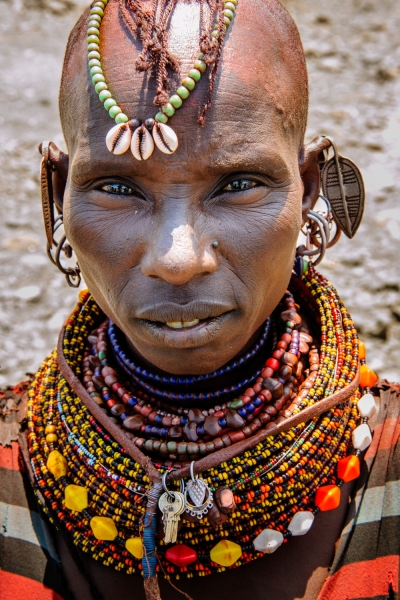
(208, 406)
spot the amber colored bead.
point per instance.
(211, 426)
(349, 468)
(99, 382)
(104, 528)
(57, 464)
(327, 497)
(135, 547)
(362, 351)
(94, 361)
(274, 386)
(181, 555)
(190, 432)
(118, 409)
(51, 437)
(289, 359)
(196, 416)
(233, 419)
(367, 377)
(134, 423)
(175, 432)
(76, 497)
(226, 553)
(50, 429)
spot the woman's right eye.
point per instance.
(117, 188)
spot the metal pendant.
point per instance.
(343, 186)
(198, 496)
(196, 488)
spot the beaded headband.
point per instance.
(131, 133)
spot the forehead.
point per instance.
(246, 125)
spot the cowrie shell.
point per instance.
(165, 138)
(118, 138)
(142, 144)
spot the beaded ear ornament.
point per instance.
(131, 133)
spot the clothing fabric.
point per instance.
(366, 562)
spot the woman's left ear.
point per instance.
(309, 166)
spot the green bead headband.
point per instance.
(141, 137)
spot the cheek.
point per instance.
(261, 244)
(107, 243)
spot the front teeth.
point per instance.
(182, 324)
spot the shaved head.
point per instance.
(262, 61)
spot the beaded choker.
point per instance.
(114, 495)
(130, 133)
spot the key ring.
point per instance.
(164, 484)
(192, 471)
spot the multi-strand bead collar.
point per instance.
(255, 493)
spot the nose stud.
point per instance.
(215, 244)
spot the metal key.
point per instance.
(172, 505)
(176, 518)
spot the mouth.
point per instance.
(185, 333)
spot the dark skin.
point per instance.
(143, 232)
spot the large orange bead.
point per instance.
(362, 352)
(367, 377)
(349, 468)
(327, 497)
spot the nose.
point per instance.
(177, 253)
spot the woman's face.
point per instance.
(143, 232)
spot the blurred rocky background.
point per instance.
(353, 55)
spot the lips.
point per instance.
(183, 313)
(184, 326)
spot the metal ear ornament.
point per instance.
(318, 231)
(342, 184)
(72, 274)
(52, 224)
(46, 186)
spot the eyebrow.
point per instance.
(219, 162)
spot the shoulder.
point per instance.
(28, 560)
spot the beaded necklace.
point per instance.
(104, 492)
(195, 432)
(141, 137)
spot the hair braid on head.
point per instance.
(214, 57)
(151, 26)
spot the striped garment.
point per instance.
(366, 563)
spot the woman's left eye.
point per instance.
(117, 188)
(239, 185)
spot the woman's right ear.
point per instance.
(57, 163)
(53, 179)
